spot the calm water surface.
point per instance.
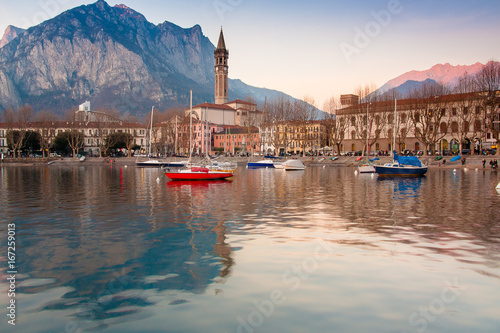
(115, 249)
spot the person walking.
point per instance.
(484, 163)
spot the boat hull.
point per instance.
(400, 171)
(259, 165)
(198, 175)
(366, 169)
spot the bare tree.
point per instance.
(18, 123)
(335, 126)
(463, 111)
(429, 118)
(46, 123)
(488, 81)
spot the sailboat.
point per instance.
(191, 172)
(366, 167)
(150, 162)
(402, 166)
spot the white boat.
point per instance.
(291, 165)
(261, 164)
(149, 163)
(366, 168)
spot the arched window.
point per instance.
(353, 147)
(443, 128)
(403, 118)
(353, 121)
(353, 135)
(454, 127)
(417, 146)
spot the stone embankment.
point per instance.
(342, 161)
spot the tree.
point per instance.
(61, 143)
(488, 81)
(429, 115)
(47, 129)
(463, 113)
(31, 142)
(17, 120)
(122, 140)
(75, 141)
(15, 141)
(335, 126)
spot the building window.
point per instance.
(454, 111)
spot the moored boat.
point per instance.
(292, 165)
(197, 173)
(149, 163)
(402, 166)
(261, 164)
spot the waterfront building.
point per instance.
(438, 124)
(236, 139)
(95, 134)
(293, 137)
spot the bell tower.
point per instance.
(221, 55)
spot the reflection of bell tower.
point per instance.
(221, 55)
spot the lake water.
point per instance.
(115, 249)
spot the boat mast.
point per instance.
(190, 124)
(175, 147)
(394, 129)
(151, 132)
(367, 131)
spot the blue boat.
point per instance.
(261, 164)
(402, 166)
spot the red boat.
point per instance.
(197, 173)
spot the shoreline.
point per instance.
(317, 161)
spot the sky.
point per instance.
(317, 49)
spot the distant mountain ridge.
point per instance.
(444, 74)
(10, 33)
(113, 57)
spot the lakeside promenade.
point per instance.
(343, 161)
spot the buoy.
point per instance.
(158, 179)
(356, 172)
(126, 166)
(498, 186)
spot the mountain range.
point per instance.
(441, 74)
(113, 57)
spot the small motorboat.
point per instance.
(197, 173)
(261, 164)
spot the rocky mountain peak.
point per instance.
(10, 33)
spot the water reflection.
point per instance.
(104, 246)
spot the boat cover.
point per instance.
(407, 160)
